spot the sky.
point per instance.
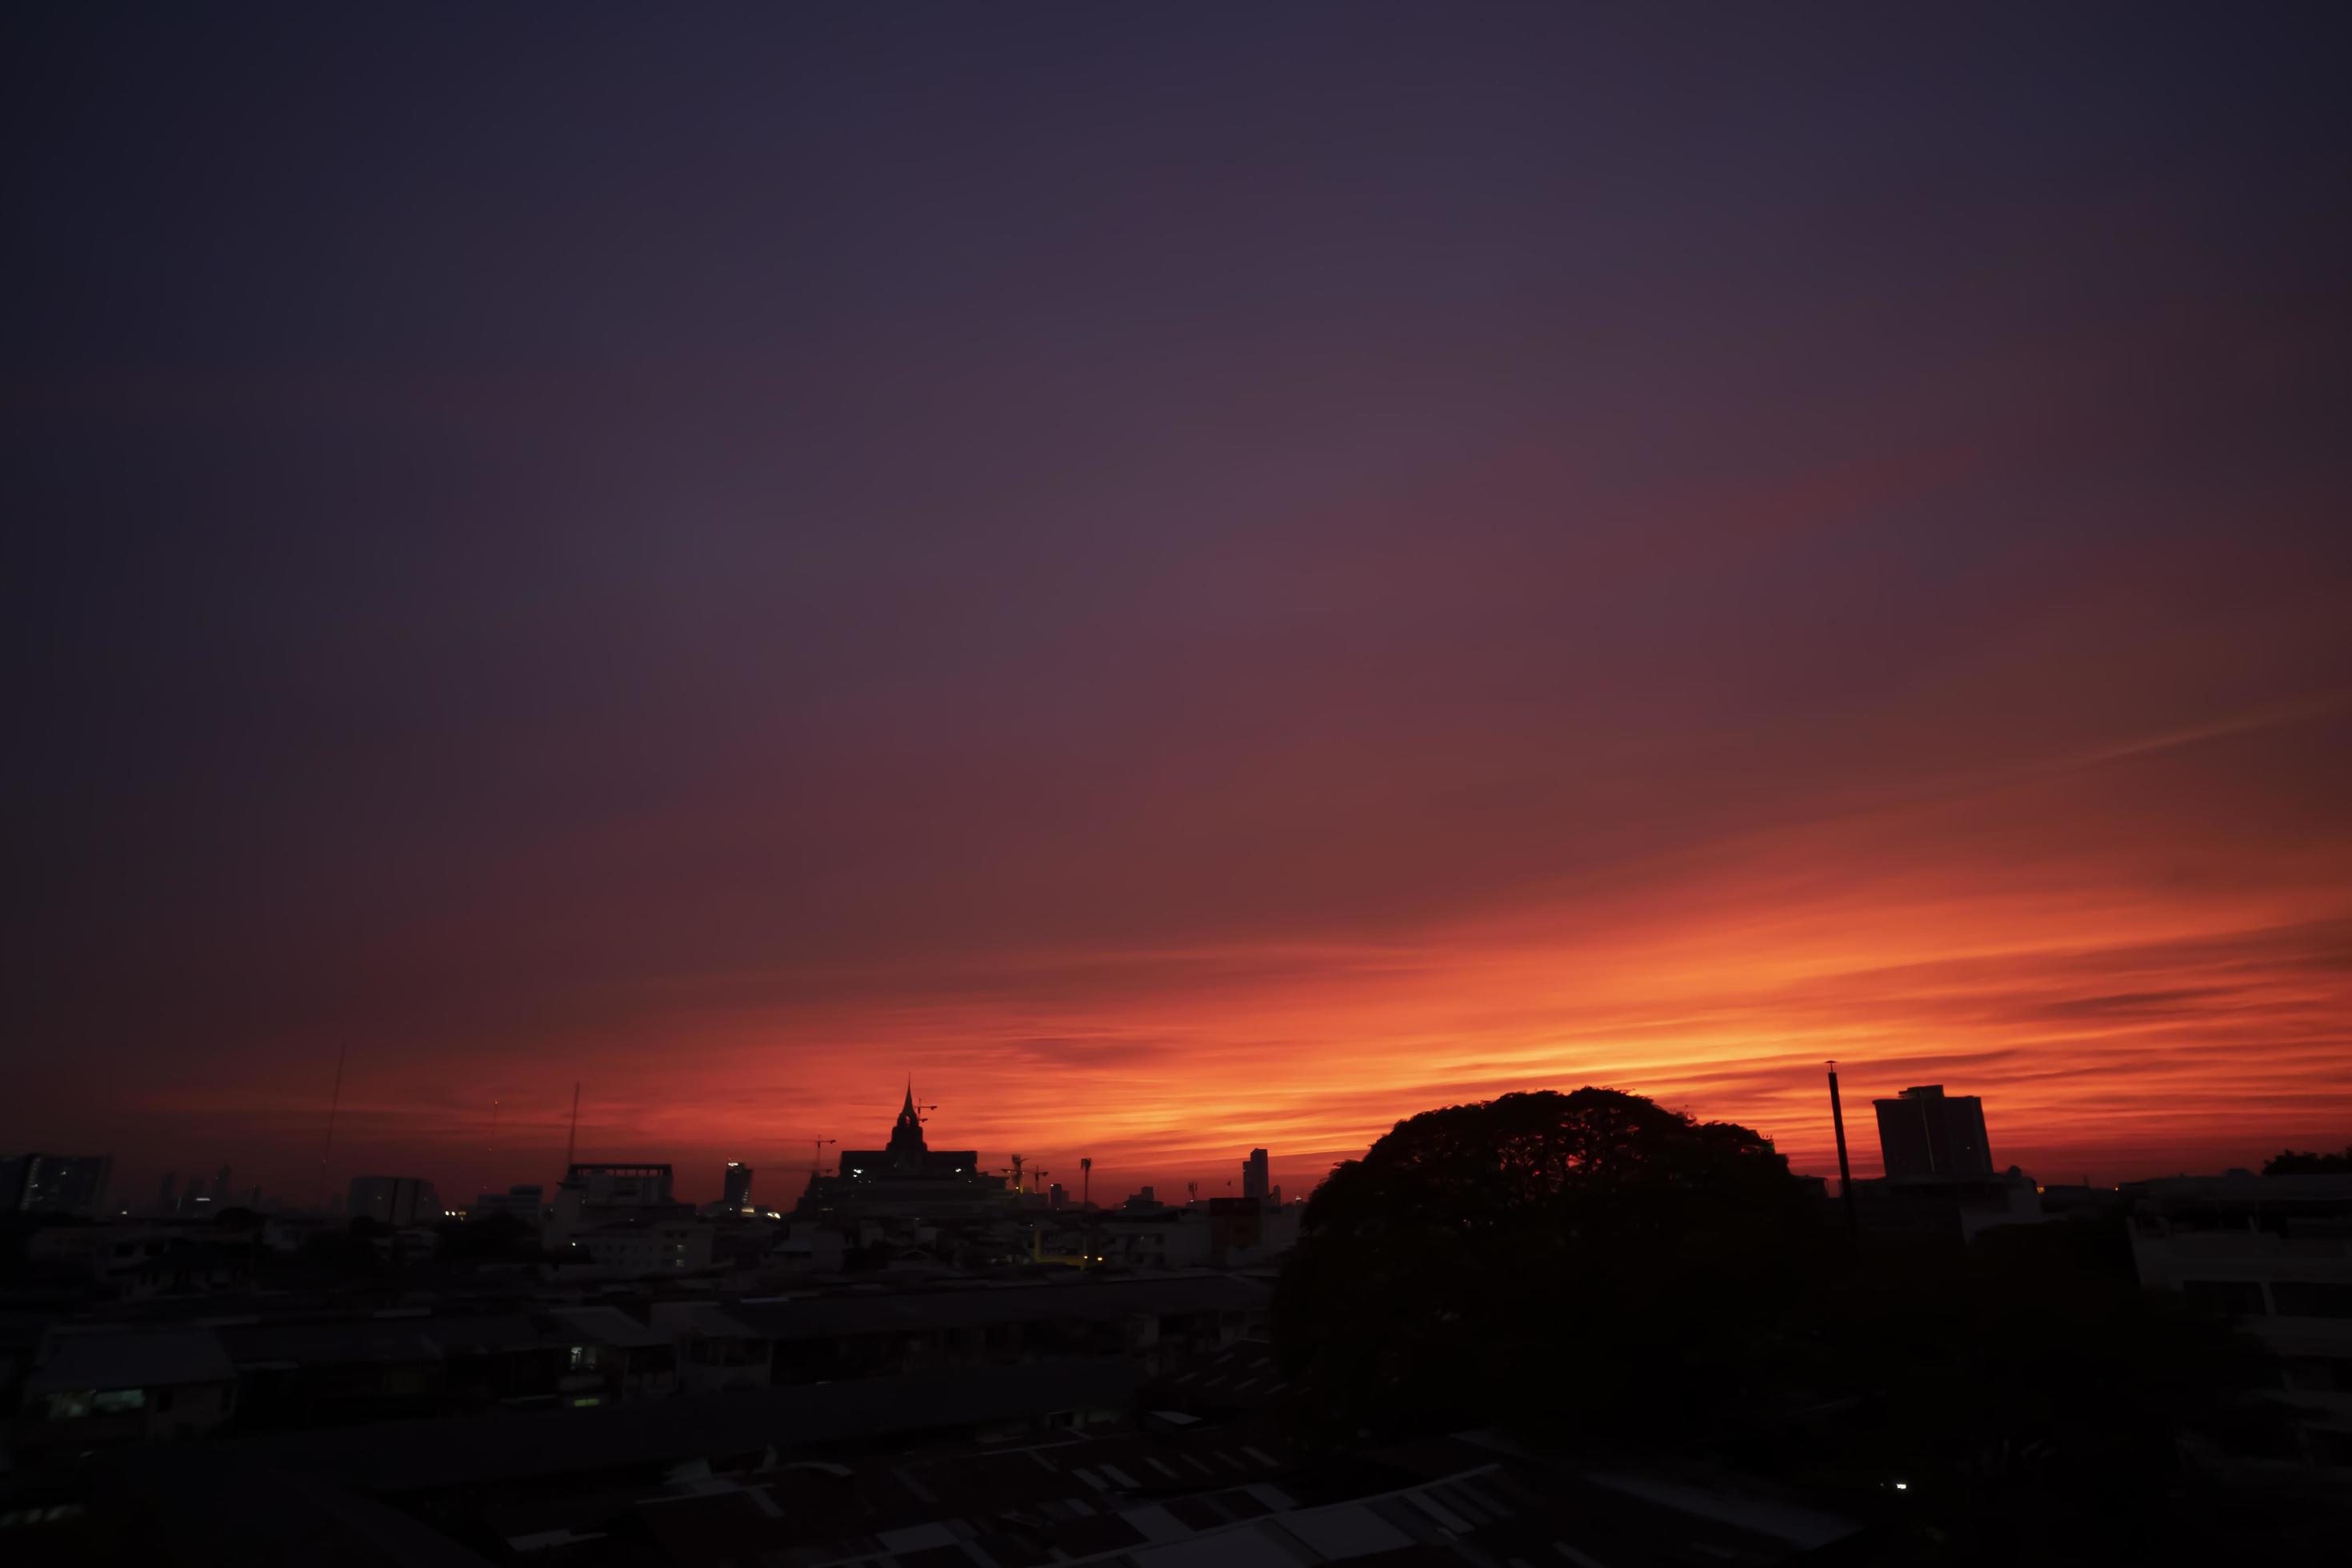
(1184, 577)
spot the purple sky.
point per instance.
(1192, 576)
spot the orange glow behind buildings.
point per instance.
(2126, 1001)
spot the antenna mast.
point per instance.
(1845, 1171)
(334, 1099)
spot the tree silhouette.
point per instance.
(1539, 1258)
(2288, 1162)
(1594, 1269)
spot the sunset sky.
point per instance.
(1189, 577)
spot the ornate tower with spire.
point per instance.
(909, 1158)
(907, 1147)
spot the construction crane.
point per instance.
(817, 1147)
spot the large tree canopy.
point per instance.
(1540, 1256)
(1596, 1267)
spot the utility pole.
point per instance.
(333, 1101)
(1845, 1171)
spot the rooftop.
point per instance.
(128, 1358)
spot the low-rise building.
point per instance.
(716, 1351)
(2275, 1252)
(612, 1357)
(94, 1387)
(634, 1248)
(1151, 1320)
(1945, 1210)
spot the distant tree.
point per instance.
(2288, 1162)
(1541, 1257)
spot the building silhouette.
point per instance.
(56, 1184)
(622, 1184)
(736, 1193)
(2271, 1252)
(1257, 1181)
(906, 1176)
(1923, 1134)
(907, 1153)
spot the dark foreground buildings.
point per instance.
(1084, 1461)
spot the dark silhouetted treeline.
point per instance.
(1609, 1276)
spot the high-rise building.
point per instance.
(1923, 1134)
(220, 1190)
(164, 1194)
(395, 1200)
(738, 1192)
(1256, 1180)
(56, 1184)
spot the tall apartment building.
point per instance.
(1923, 1134)
(1256, 1179)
